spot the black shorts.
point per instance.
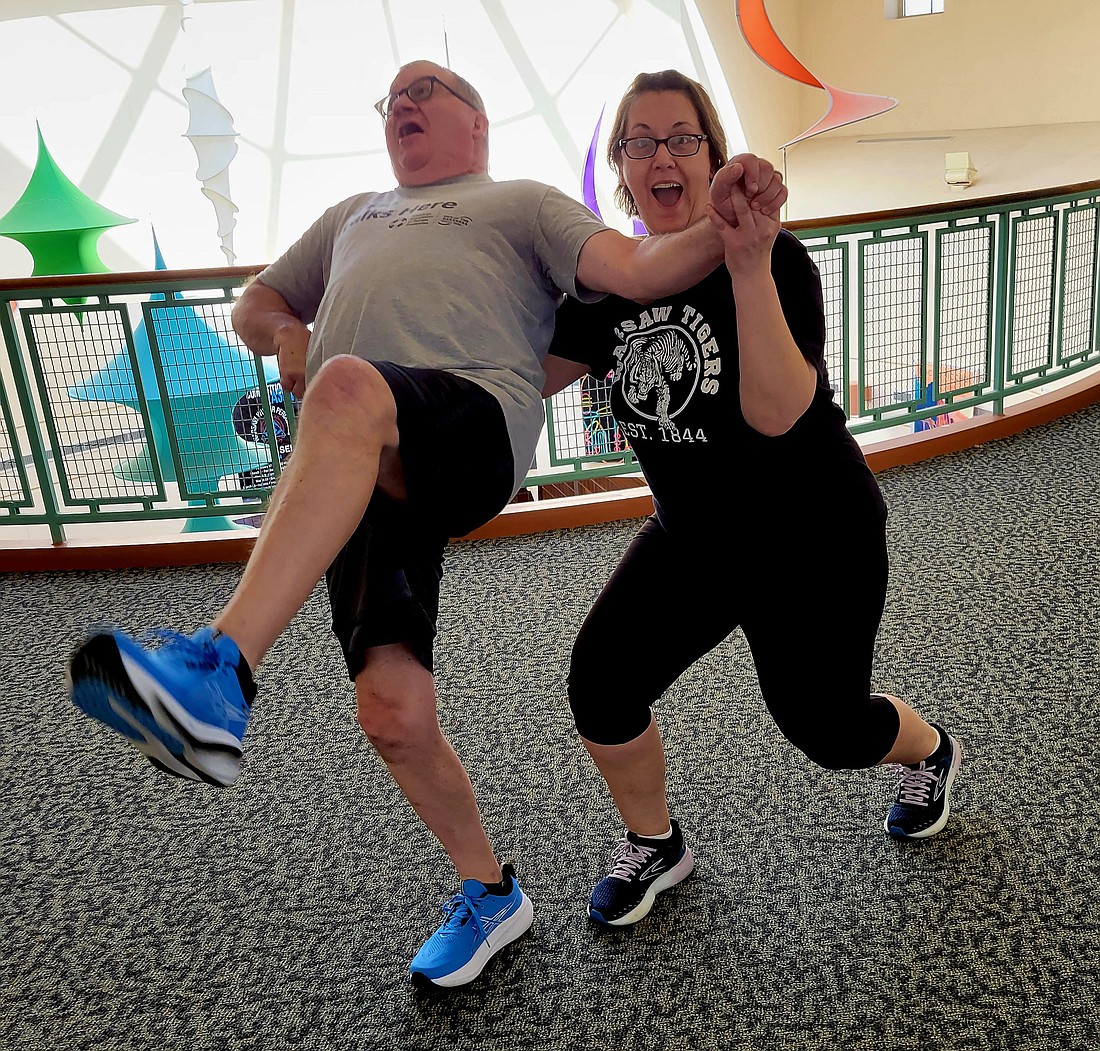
(457, 458)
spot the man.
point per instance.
(431, 306)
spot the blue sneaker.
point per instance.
(640, 869)
(477, 925)
(183, 705)
(924, 792)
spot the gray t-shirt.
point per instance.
(463, 275)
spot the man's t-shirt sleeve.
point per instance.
(561, 228)
(301, 273)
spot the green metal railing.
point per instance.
(128, 398)
(112, 421)
(929, 312)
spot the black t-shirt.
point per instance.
(676, 392)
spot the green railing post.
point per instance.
(30, 421)
(1002, 298)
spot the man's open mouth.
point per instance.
(410, 127)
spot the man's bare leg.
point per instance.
(347, 443)
(397, 711)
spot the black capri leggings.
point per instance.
(807, 585)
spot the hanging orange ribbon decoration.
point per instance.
(845, 107)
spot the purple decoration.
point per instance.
(588, 180)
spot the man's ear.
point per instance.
(481, 125)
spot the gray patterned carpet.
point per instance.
(141, 912)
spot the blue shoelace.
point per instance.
(202, 655)
(458, 910)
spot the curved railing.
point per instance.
(127, 402)
(935, 315)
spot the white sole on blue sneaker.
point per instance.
(517, 925)
(195, 764)
(679, 872)
(159, 701)
(102, 681)
(153, 748)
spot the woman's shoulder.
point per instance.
(790, 257)
(787, 245)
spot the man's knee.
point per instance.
(346, 388)
(393, 723)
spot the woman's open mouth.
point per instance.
(667, 194)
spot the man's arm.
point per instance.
(560, 373)
(264, 321)
(663, 264)
(655, 266)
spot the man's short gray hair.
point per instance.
(466, 91)
(469, 92)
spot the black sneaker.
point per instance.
(924, 792)
(640, 869)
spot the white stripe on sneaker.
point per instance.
(504, 933)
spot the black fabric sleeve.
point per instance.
(798, 282)
(583, 333)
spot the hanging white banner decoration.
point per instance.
(211, 133)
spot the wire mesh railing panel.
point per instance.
(965, 308)
(15, 490)
(581, 426)
(832, 265)
(1031, 336)
(1078, 306)
(892, 304)
(262, 416)
(175, 419)
(85, 365)
(602, 434)
(566, 425)
(210, 387)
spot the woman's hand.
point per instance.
(761, 184)
(747, 233)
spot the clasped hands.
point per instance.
(746, 196)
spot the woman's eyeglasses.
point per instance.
(643, 146)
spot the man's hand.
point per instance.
(267, 325)
(757, 181)
(293, 343)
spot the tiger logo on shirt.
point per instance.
(653, 368)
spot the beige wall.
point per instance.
(981, 64)
(768, 104)
(835, 174)
(1018, 90)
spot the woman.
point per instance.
(725, 386)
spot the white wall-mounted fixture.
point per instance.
(958, 170)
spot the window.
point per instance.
(908, 8)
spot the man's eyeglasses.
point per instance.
(420, 90)
(643, 146)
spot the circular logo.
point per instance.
(659, 371)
